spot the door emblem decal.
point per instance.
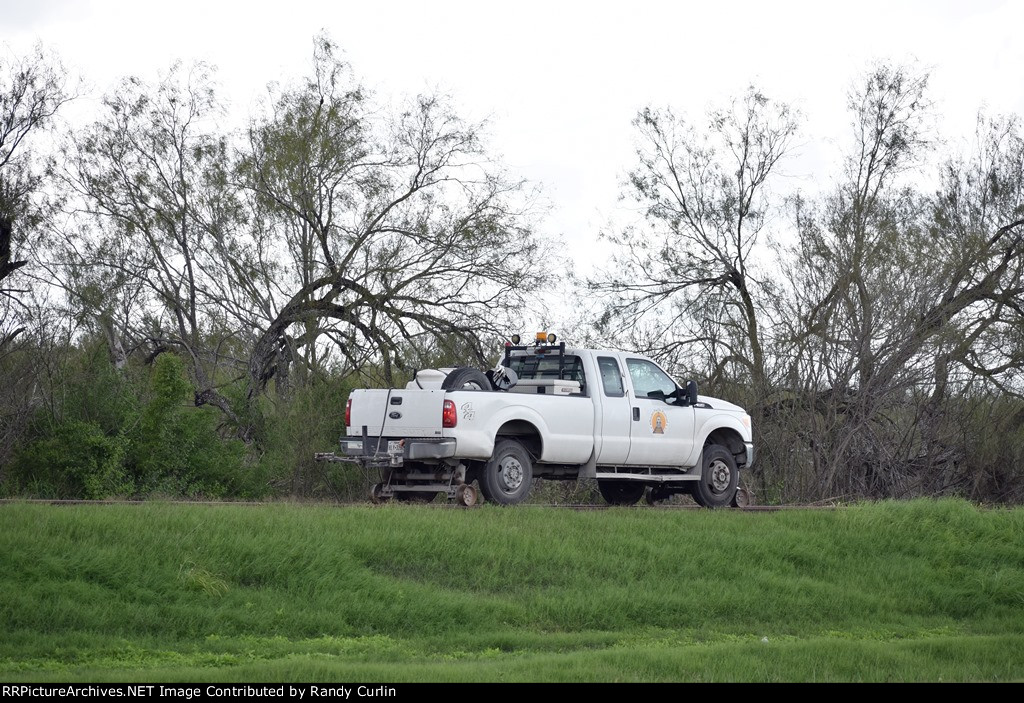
(658, 422)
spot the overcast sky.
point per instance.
(560, 80)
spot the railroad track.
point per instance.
(446, 505)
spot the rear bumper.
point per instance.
(394, 451)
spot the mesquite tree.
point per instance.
(904, 307)
(32, 89)
(386, 233)
(334, 235)
(688, 271)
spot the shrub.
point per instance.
(77, 460)
(176, 448)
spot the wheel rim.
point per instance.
(511, 472)
(721, 476)
(742, 499)
(466, 495)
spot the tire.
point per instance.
(621, 492)
(507, 476)
(719, 478)
(466, 378)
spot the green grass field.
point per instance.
(919, 591)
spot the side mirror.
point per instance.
(691, 392)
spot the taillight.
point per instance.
(348, 413)
(449, 418)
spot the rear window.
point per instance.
(533, 367)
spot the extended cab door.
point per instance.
(614, 428)
(661, 433)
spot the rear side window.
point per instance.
(611, 376)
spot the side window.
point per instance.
(611, 377)
(647, 377)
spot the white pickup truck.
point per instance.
(554, 413)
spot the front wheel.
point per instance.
(506, 477)
(621, 492)
(719, 478)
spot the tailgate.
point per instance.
(397, 412)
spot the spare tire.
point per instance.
(466, 378)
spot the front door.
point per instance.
(661, 433)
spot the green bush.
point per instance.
(176, 448)
(77, 460)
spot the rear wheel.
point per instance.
(506, 477)
(465, 495)
(719, 478)
(621, 492)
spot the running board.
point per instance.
(647, 478)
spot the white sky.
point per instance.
(561, 80)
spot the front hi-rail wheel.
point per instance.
(742, 498)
